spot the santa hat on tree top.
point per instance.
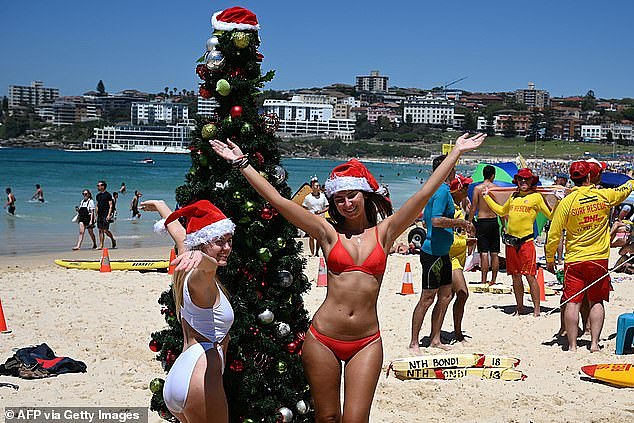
(205, 222)
(352, 175)
(235, 18)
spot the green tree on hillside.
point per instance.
(101, 88)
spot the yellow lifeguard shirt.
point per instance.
(585, 215)
(522, 211)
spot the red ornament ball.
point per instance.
(236, 112)
(259, 157)
(292, 347)
(204, 92)
(155, 345)
(170, 357)
(236, 366)
(267, 213)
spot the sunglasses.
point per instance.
(84, 193)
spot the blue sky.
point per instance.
(566, 47)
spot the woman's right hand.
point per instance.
(151, 205)
(229, 151)
(195, 259)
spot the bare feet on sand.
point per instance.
(440, 346)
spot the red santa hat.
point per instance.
(205, 222)
(458, 183)
(235, 18)
(352, 175)
(526, 173)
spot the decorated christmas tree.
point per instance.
(264, 379)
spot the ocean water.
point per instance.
(47, 227)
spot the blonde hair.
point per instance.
(178, 280)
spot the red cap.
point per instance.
(526, 173)
(580, 169)
(351, 175)
(596, 166)
(459, 182)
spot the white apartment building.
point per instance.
(374, 82)
(598, 133)
(33, 95)
(150, 113)
(350, 101)
(154, 139)
(428, 110)
(207, 106)
(310, 115)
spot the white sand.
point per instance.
(105, 320)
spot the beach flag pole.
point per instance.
(3, 323)
(587, 287)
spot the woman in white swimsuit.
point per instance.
(193, 390)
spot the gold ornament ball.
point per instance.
(240, 39)
(209, 131)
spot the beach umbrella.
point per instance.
(504, 173)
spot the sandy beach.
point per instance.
(105, 320)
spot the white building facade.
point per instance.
(599, 133)
(150, 113)
(428, 110)
(153, 139)
(374, 82)
(310, 115)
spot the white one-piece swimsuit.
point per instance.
(213, 324)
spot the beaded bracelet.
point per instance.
(240, 162)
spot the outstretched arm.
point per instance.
(175, 229)
(294, 213)
(403, 218)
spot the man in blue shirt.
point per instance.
(436, 265)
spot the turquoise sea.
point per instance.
(47, 227)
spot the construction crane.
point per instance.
(443, 90)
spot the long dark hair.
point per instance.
(375, 204)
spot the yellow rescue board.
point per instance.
(115, 264)
(481, 372)
(301, 193)
(498, 288)
(621, 375)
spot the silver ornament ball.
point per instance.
(266, 316)
(287, 414)
(212, 43)
(283, 329)
(302, 407)
(279, 174)
(285, 278)
(214, 60)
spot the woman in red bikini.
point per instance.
(346, 327)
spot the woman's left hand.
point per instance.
(466, 143)
(229, 151)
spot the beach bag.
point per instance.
(513, 241)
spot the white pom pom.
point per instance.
(159, 227)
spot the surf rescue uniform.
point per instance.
(340, 261)
(434, 255)
(458, 250)
(522, 209)
(213, 324)
(585, 215)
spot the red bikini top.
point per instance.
(339, 259)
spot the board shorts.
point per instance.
(488, 235)
(580, 274)
(457, 263)
(521, 261)
(11, 209)
(436, 270)
(103, 222)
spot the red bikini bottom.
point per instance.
(344, 350)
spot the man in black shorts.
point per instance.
(487, 227)
(436, 265)
(105, 210)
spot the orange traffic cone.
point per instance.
(3, 323)
(540, 283)
(105, 262)
(407, 286)
(322, 277)
(170, 269)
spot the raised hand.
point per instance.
(466, 143)
(151, 205)
(195, 259)
(229, 151)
